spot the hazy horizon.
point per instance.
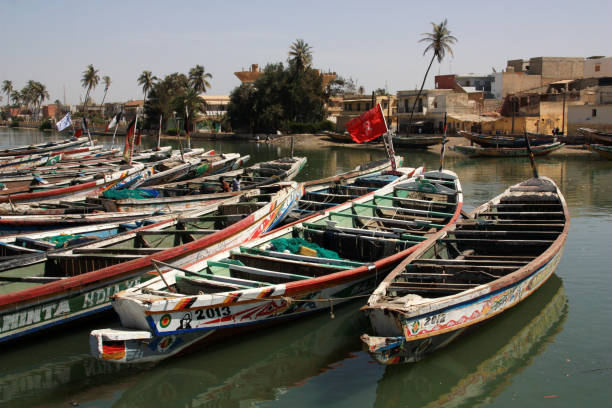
(53, 42)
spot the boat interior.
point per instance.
(501, 239)
(343, 240)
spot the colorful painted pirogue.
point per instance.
(506, 140)
(44, 147)
(596, 136)
(602, 150)
(478, 268)
(475, 151)
(72, 294)
(326, 193)
(306, 267)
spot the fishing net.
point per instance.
(138, 193)
(293, 245)
(60, 241)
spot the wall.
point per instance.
(514, 82)
(582, 116)
(605, 68)
(556, 68)
(445, 81)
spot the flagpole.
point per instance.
(159, 132)
(87, 128)
(187, 128)
(390, 150)
(133, 135)
(115, 131)
(443, 145)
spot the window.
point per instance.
(597, 67)
(467, 83)
(384, 104)
(406, 108)
(358, 106)
(435, 104)
(367, 106)
(594, 112)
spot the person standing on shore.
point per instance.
(224, 184)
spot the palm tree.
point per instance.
(198, 79)
(300, 54)
(439, 41)
(147, 80)
(7, 88)
(107, 83)
(40, 93)
(89, 80)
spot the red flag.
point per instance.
(78, 133)
(127, 150)
(367, 126)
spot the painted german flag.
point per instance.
(232, 298)
(113, 350)
(185, 303)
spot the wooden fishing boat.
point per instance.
(480, 267)
(416, 141)
(70, 294)
(602, 150)
(326, 193)
(475, 151)
(306, 267)
(596, 136)
(497, 141)
(78, 188)
(260, 174)
(44, 147)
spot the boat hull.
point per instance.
(474, 151)
(602, 150)
(424, 334)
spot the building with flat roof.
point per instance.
(250, 76)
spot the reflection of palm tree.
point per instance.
(89, 80)
(7, 88)
(107, 83)
(439, 41)
(147, 80)
(300, 54)
(198, 79)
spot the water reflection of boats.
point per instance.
(470, 372)
(250, 371)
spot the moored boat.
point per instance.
(596, 136)
(416, 141)
(326, 193)
(507, 140)
(602, 150)
(306, 267)
(70, 294)
(44, 147)
(475, 151)
(464, 276)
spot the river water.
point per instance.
(551, 350)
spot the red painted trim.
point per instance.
(77, 282)
(307, 285)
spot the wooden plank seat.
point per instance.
(176, 231)
(507, 234)
(403, 210)
(118, 251)
(400, 290)
(302, 268)
(522, 213)
(302, 258)
(474, 243)
(263, 275)
(469, 225)
(474, 262)
(391, 221)
(194, 285)
(417, 201)
(501, 257)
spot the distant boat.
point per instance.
(596, 136)
(464, 276)
(44, 147)
(506, 141)
(416, 141)
(602, 150)
(475, 151)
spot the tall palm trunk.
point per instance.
(419, 94)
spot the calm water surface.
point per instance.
(552, 350)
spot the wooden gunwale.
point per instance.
(437, 305)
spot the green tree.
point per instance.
(189, 105)
(439, 41)
(89, 81)
(146, 80)
(162, 96)
(40, 94)
(198, 79)
(300, 55)
(7, 88)
(107, 83)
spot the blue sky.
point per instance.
(374, 42)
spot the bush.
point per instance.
(46, 125)
(14, 124)
(315, 127)
(171, 132)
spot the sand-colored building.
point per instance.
(251, 75)
(355, 105)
